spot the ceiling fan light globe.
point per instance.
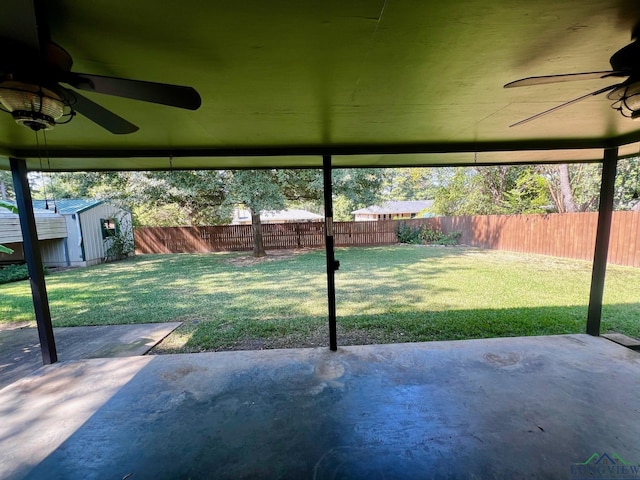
(633, 103)
(33, 106)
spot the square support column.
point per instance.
(34, 261)
(605, 213)
(332, 264)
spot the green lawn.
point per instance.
(384, 294)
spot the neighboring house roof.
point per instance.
(411, 206)
(282, 215)
(68, 205)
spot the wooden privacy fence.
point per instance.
(570, 235)
(227, 237)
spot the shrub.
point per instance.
(425, 235)
(15, 273)
(120, 242)
(409, 234)
(429, 235)
(451, 238)
(121, 246)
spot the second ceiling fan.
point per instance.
(625, 67)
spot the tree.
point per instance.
(6, 185)
(454, 196)
(529, 194)
(575, 187)
(86, 184)
(491, 191)
(355, 188)
(262, 190)
(159, 198)
(416, 183)
(258, 190)
(198, 195)
(627, 187)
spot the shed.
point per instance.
(391, 210)
(89, 225)
(52, 233)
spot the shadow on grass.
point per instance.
(164, 288)
(396, 327)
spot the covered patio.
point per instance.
(532, 407)
(336, 84)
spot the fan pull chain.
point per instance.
(53, 193)
(42, 179)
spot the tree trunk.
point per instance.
(258, 246)
(565, 187)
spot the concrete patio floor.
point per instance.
(532, 407)
(20, 347)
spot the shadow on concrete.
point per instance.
(20, 347)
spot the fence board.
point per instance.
(570, 235)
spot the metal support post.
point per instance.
(332, 264)
(605, 213)
(34, 260)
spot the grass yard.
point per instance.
(384, 294)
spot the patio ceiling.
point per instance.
(362, 80)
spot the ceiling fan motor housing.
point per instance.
(627, 59)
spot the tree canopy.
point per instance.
(209, 197)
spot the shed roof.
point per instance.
(410, 206)
(68, 206)
(38, 212)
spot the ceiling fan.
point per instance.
(625, 94)
(39, 89)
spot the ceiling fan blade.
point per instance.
(98, 114)
(566, 104)
(567, 77)
(162, 93)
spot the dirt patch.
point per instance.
(248, 260)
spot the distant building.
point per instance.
(391, 210)
(243, 217)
